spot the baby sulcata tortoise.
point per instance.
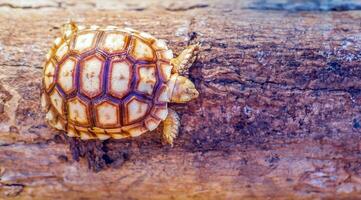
(114, 83)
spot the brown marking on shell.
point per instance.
(84, 41)
(165, 55)
(49, 75)
(159, 111)
(71, 131)
(97, 130)
(78, 111)
(55, 120)
(141, 50)
(171, 84)
(165, 70)
(60, 124)
(146, 78)
(91, 75)
(69, 29)
(114, 42)
(135, 130)
(80, 128)
(61, 51)
(57, 101)
(84, 133)
(98, 133)
(120, 76)
(162, 94)
(135, 110)
(66, 75)
(151, 122)
(107, 115)
(57, 42)
(113, 130)
(117, 133)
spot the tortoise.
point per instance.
(110, 82)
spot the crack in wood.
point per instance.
(8, 5)
(250, 83)
(177, 7)
(11, 190)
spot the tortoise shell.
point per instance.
(106, 82)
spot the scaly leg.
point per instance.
(171, 126)
(184, 61)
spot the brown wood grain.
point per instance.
(278, 116)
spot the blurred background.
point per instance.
(291, 5)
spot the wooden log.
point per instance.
(278, 116)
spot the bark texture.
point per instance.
(278, 115)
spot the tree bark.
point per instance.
(278, 115)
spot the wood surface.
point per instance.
(278, 115)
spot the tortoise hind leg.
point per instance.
(184, 61)
(171, 126)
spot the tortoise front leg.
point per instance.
(184, 61)
(171, 126)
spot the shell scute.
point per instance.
(159, 112)
(165, 70)
(62, 51)
(78, 111)
(60, 124)
(91, 75)
(114, 42)
(44, 101)
(165, 55)
(135, 110)
(57, 101)
(120, 76)
(135, 130)
(151, 122)
(141, 50)
(66, 75)
(162, 94)
(146, 78)
(84, 41)
(117, 133)
(107, 114)
(49, 75)
(71, 131)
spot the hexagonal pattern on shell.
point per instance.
(105, 83)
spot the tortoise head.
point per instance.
(181, 89)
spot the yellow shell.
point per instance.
(106, 83)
